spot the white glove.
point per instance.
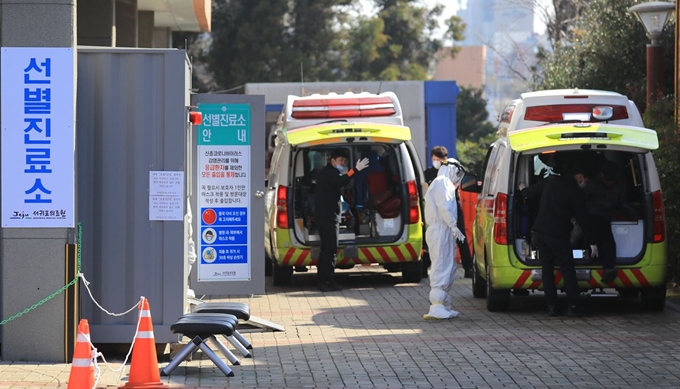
(593, 251)
(361, 164)
(458, 235)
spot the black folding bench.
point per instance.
(240, 310)
(201, 328)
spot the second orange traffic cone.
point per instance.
(82, 367)
(144, 366)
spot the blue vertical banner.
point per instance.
(223, 161)
(38, 137)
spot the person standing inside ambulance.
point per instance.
(605, 197)
(327, 210)
(441, 216)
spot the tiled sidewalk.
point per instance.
(371, 335)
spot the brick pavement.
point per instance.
(371, 335)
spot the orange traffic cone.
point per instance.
(144, 366)
(82, 367)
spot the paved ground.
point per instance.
(371, 335)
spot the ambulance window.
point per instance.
(271, 180)
(495, 168)
(490, 156)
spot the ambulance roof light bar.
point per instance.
(354, 107)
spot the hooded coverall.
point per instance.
(465, 254)
(442, 232)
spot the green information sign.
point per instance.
(224, 125)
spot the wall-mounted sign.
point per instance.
(38, 137)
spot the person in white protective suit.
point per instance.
(442, 233)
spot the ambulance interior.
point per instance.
(372, 203)
(628, 223)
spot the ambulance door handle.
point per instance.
(259, 194)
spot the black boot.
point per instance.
(609, 275)
(329, 286)
(577, 311)
(425, 263)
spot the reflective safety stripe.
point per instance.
(83, 338)
(145, 313)
(82, 362)
(145, 335)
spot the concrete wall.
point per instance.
(132, 115)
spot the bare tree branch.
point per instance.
(530, 81)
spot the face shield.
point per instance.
(452, 170)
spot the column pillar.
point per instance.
(97, 23)
(126, 23)
(162, 37)
(33, 260)
(145, 21)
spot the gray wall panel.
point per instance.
(132, 120)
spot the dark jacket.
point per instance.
(430, 174)
(604, 202)
(560, 200)
(329, 183)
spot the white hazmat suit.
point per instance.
(441, 215)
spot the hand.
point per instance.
(361, 164)
(458, 234)
(521, 186)
(593, 251)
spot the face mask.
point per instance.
(436, 164)
(340, 168)
(582, 184)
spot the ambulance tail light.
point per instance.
(413, 212)
(343, 108)
(500, 219)
(282, 207)
(659, 217)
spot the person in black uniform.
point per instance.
(327, 209)
(439, 156)
(606, 196)
(561, 199)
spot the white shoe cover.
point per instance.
(439, 312)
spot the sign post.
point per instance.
(224, 201)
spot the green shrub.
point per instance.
(660, 117)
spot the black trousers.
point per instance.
(463, 247)
(328, 232)
(465, 255)
(553, 251)
(606, 245)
